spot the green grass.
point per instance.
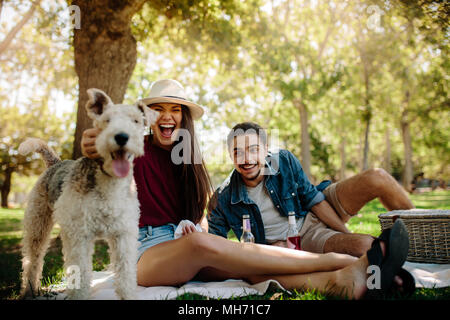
(11, 234)
(10, 257)
(367, 220)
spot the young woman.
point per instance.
(169, 193)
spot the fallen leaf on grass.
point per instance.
(275, 296)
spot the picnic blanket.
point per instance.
(102, 288)
(426, 276)
(429, 275)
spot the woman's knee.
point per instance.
(202, 243)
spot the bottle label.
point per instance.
(247, 225)
(294, 242)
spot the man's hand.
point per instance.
(88, 143)
(280, 243)
(325, 212)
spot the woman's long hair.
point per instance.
(194, 176)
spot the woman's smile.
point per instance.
(167, 130)
(170, 116)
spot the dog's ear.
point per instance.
(150, 116)
(97, 103)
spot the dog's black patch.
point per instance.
(83, 176)
(56, 176)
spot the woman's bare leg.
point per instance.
(349, 282)
(175, 262)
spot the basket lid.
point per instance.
(417, 213)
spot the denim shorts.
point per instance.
(150, 236)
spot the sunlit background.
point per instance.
(346, 85)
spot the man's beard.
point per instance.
(255, 177)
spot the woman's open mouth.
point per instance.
(166, 130)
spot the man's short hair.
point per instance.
(246, 128)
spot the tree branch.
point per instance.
(14, 31)
(324, 42)
(134, 7)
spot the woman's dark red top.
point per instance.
(159, 188)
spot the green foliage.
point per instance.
(197, 27)
(254, 60)
(36, 73)
(323, 154)
(16, 126)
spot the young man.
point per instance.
(268, 186)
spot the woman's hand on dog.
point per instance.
(88, 143)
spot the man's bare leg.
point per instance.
(354, 244)
(355, 192)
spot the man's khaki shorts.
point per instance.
(315, 233)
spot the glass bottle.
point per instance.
(293, 240)
(247, 235)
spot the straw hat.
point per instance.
(171, 91)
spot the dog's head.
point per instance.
(122, 130)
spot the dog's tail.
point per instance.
(37, 145)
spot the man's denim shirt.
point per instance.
(287, 185)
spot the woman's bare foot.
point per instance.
(351, 281)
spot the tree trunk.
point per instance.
(105, 54)
(407, 143)
(366, 146)
(305, 146)
(6, 186)
(387, 159)
(360, 150)
(342, 174)
(408, 172)
(367, 116)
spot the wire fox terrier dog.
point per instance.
(89, 199)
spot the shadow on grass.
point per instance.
(11, 221)
(52, 273)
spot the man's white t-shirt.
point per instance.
(275, 225)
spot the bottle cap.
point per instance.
(246, 216)
(291, 213)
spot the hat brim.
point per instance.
(196, 110)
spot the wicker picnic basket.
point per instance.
(429, 233)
